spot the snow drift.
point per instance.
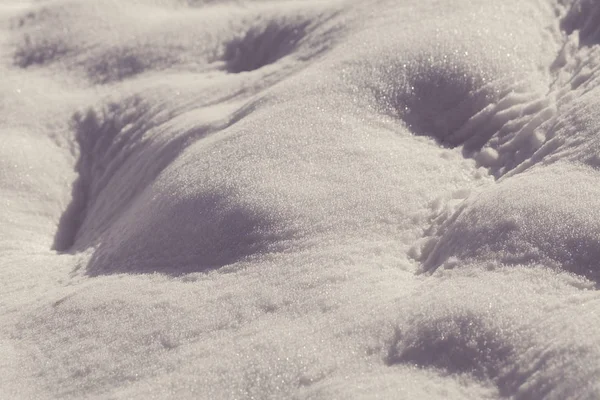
(299, 199)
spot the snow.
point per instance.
(299, 199)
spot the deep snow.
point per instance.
(299, 199)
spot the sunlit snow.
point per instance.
(299, 199)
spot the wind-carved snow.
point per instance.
(300, 199)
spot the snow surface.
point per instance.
(299, 199)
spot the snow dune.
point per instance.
(299, 199)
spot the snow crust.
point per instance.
(299, 199)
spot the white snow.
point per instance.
(299, 199)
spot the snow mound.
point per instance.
(503, 223)
(299, 199)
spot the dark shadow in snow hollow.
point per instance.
(98, 137)
(263, 45)
(456, 344)
(436, 100)
(179, 236)
(583, 16)
(38, 51)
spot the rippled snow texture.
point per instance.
(299, 199)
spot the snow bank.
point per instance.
(299, 199)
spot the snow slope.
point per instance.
(299, 199)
